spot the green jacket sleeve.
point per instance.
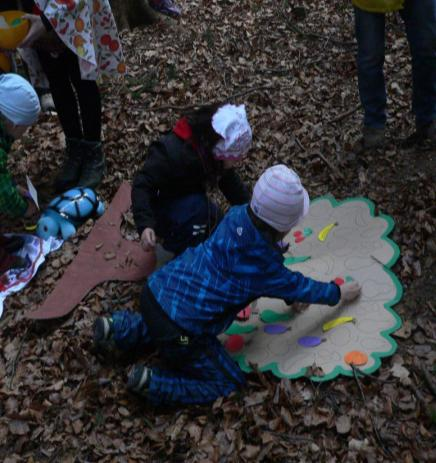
(11, 202)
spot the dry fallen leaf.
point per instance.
(343, 424)
(216, 49)
(18, 428)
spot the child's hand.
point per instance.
(148, 239)
(37, 29)
(350, 291)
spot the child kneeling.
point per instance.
(195, 297)
(19, 109)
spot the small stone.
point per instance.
(314, 448)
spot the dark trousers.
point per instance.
(77, 101)
(194, 370)
(185, 222)
(420, 21)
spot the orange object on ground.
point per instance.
(356, 358)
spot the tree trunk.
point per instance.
(132, 13)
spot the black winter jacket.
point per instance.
(174, 169)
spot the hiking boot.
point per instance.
(373, 138)
(103, 332)
(93, 165)
(70, 170)
(424, 137)
(138, 379)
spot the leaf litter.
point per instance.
(293, 65)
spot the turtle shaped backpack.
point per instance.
(67, 211)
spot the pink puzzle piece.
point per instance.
(104, 256)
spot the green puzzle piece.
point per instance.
(236, 328)
(296, 260)
(269, 316)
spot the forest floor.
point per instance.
(295, 70)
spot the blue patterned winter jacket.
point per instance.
(204, 288)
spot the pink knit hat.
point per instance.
(279, 198)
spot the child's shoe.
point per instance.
(47, 103)
(167, 7)
(103, 333)
(138, 379)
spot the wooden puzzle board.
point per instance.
(337, 240)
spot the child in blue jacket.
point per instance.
(195, 297)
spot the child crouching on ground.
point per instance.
(195, 297)
(19, 108)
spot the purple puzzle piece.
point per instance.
(275, 329)
(310, 341)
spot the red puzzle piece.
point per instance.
(244, 314)
(104, 256)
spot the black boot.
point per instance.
(93, 165)
(11, 243)
(69, 175)
(423, 138)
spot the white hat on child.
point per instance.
(231, 123)
(19, 102)
(279, 198)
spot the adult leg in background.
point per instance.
(420, 21)
(370, 35)
(88, 95)
(67, 108)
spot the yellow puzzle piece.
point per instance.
(322, 235)
(337, 322)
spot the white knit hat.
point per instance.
(19, 102)
(279, 198)
(231, 123)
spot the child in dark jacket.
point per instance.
(169, 192)
(195, 297)
(19, 108)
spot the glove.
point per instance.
(350, 291)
